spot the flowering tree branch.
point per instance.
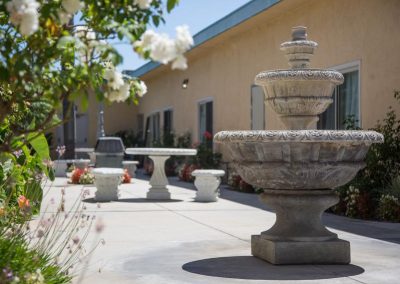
(45, 58)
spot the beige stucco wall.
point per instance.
(117, 117)
(224, 67)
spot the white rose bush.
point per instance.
(61, 50)
(54, 53)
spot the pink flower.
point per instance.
(23, 202)
(99, 225)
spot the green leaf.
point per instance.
(39, 144)
(156, 20)
(171, 5)
(7, 167)
(51, 174)
(84, 103)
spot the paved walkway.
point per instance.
(182, 241)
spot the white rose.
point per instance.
(64, 17)
(119, 95)
(124, 92)
(147, 39)
(179, 63)
(142, 89)
(29, 24)
(114, 78)
(24, 14)
(71, 6)
(143, 4)
(162, 49)
(184, 39)
(83, 32)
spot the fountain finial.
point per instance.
(299, 33)
(299, 50)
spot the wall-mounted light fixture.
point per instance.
(185, 83)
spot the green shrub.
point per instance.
(18, 261)
(130, 139)
(383, 160)
(389, 208)
(379, 181)
(206, 158)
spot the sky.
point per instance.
(197, 14)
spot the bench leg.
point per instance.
(158, 180)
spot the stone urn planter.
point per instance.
(106, 181)
(207, 183)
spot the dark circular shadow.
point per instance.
(133, 200)
(251, 268)
(92, 200)
(145, 200)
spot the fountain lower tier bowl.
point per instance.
(300, 159)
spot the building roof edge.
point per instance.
(231, 20)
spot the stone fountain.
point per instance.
(298, 169)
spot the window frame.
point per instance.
(154, 113)
(204, 101)
(171, 109)
(347, 68)
(253, 86)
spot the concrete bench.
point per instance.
(207, 183)
(106, 181)
(130, 166)
(81, 163)
(61, 166)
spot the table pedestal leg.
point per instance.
(158, 180)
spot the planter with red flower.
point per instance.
(126, 178)
(82, 176)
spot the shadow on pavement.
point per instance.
(133, 200)
(251, 268)
(144, 200)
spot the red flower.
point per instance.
(126, 177)
(76, 175)
(207, 135)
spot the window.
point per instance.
(140, 122)
(152, 129)
(257, 108)
(205, 119)
(346, 101)
(168, 120)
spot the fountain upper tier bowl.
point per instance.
(298, 96)
(301, 159)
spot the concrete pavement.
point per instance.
(182, 241)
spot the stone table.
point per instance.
(158, 180)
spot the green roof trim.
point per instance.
(229, 21)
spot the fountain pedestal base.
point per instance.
(298, 235)
(292, 252)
